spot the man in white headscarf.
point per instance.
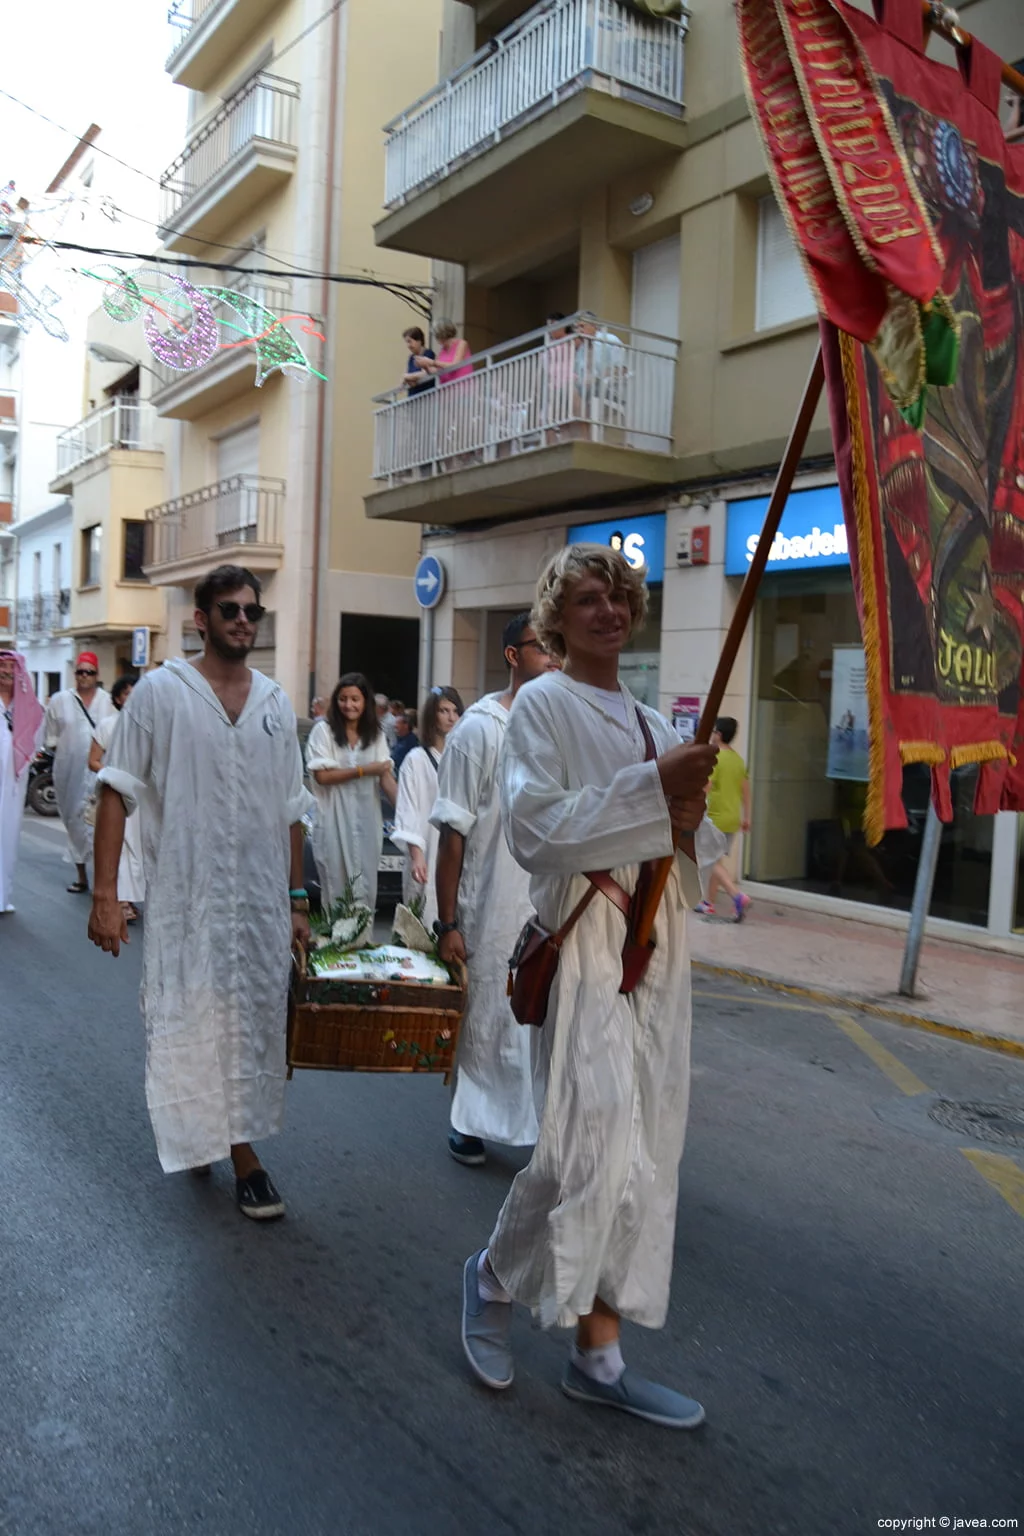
(21, 719)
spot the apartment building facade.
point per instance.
(586, 156)
(279, 176)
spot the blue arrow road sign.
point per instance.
(428, 582)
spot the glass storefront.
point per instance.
(807, 826)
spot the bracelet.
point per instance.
(359, 773)
(299, 895)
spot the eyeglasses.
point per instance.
(84, 672)
(537, 645)
(253, 611)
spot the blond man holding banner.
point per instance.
(592, 781)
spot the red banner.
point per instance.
(935, 510)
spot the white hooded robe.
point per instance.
(69, 731)
(492, 1087)
(349, 831)
(218, 802)
(593, 1213)
(417, 791)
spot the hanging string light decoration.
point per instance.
(190, 344)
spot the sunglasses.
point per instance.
(253, 611)
(85, 672)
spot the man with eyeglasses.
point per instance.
(72, 716)
(210, 749)
(483, 900)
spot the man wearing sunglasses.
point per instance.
(71, 719)
(210, 749)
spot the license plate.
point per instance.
(391, 863)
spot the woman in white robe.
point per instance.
(586, 1234)
(21, 718)
(72, 717)
(348, 760)
(131, 880)
(417, 791)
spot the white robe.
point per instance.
(131, 880)
(70, 734)
(593, 1214)
(417, 791)
(218, 802)
(349, 831)
(12, 805)
(493, 1085)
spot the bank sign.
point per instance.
(812, 533)
(641, 540)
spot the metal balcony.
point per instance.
(542, 418)
(42, 613)
(231, 162)
(231, 371)
(123, 423)
(10, 330)
(208, 34)
(238, 520)
(574, 93)
(8, 415)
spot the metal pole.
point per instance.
(428, 650)
(923, 887)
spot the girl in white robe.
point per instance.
(348, 760)
(131, 880)
(417, 791)
(21, 717)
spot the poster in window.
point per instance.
(848, 724)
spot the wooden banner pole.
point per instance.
(941, 21)
(744, 608)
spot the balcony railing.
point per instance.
(42, 613)
(125, 422)
(595, 382)
(264, 108)
(244, 509)
(555, 49)
(273, 295)
(182, 16)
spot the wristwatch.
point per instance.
(442, 928)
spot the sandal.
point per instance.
(130, 914)
(80, 888)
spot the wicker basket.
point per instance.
(358, 1026)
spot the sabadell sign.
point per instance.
(812, 532)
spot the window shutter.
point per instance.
(783, 292)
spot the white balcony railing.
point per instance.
(182, 16)
(595, 382)
(244, 509)
(275, 295)
(125, 422)
(264, 108)
(557, 47)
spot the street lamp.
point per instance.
(102, 353)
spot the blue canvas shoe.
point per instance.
(486, 1326)
(634, 1394)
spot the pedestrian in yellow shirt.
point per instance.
(729, 809)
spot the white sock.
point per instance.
(490, 1287)
(604, 1364)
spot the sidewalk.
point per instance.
(973, 993)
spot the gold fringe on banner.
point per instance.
(921, 752)
(874, 814)
(977, 752)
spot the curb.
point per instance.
(961, 1032)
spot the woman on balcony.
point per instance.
(348, 760)
(455, 402)
(417, 791)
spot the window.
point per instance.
(783, 292)
(134, 552)
(92, 550)
(56, 567)
(53, 684)
(37, 573)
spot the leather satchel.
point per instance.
(534, 963)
